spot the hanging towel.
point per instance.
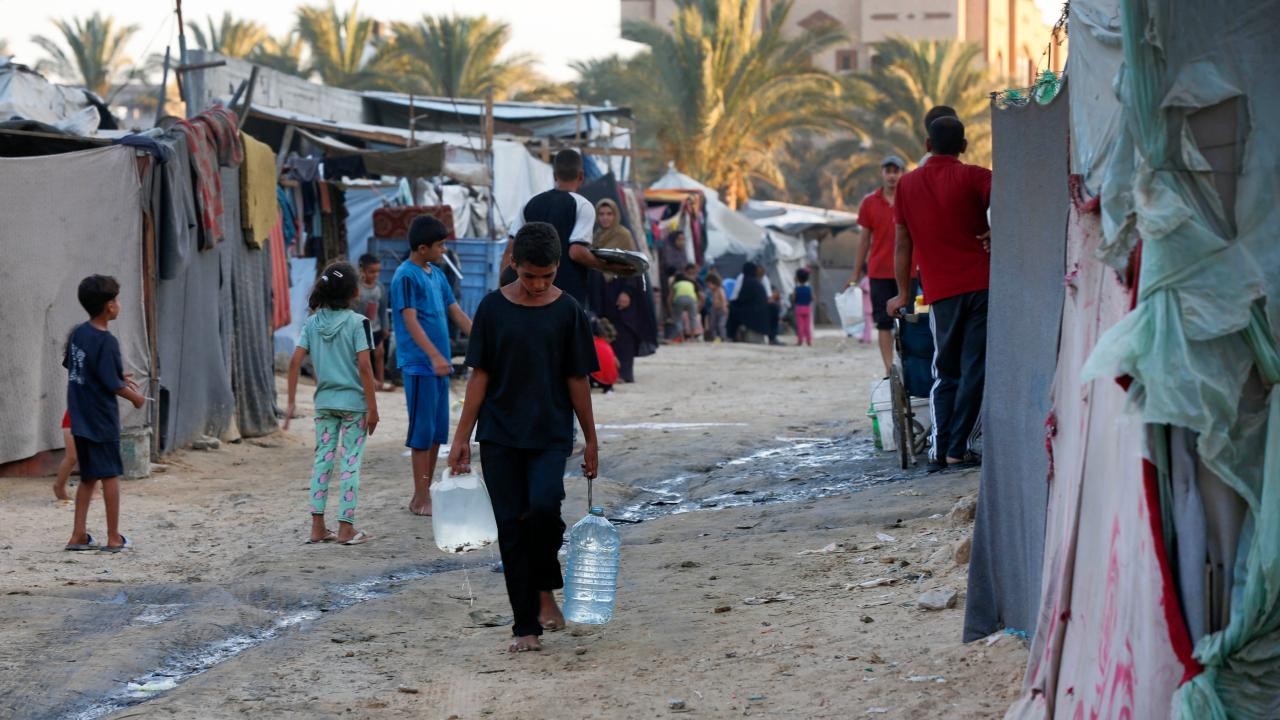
(208, 184)
(259, 208)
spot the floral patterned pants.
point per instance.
(339, 448)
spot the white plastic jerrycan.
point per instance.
(461, 515)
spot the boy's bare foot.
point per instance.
(420, 507)
(60, 491)
(549, 615)
(525, 643)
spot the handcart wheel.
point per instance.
(903, 432)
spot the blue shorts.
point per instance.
(428, 399)
(98, 460)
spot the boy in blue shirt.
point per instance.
(95, 376)
(422, 304)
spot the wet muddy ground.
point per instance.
(221, 594)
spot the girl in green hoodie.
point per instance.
(339, 342)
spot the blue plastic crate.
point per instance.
(481, 267)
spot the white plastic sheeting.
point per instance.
(25, 94)
(1103, 646)
(728, 231)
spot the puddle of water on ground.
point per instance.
(156, 614)
(668, 426)
(780, 474)
(182, 667)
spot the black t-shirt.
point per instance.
(529, 353)
(94, 373)
(561, 210)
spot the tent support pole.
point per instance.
(488, 150)
(164, 83)
(284, 147)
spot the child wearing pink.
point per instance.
(803, 301)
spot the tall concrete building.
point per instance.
(1012, 33)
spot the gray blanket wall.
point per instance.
(1029, 204)
(195, 379)
(252, 356)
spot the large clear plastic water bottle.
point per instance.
(591, 575)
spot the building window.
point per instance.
(937, 16)
(846, 60)
(884, 16)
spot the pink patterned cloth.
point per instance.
(213, 139)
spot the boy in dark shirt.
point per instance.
(95, 376)
(531, 353)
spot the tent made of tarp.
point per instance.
(517, 175)
(798, 220)
(1161, 575)
(99, 229)
(728, 231)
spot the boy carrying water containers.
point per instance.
(531, 352)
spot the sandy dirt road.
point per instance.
(739, 462)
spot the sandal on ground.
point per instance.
(79, 547)
(359, 538)
(329, 537)
(128, 545)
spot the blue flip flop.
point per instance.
(128, 545)
(80, 547)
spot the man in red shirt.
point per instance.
(941, 212)
(875, 215)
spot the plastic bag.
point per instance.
(461, 515)
(849, 306)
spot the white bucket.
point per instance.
(882, 406)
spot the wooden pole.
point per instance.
(488, 149)
(284, 147)
(182, 58)
(248, 94)
(164, 82)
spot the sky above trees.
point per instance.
(558, 32)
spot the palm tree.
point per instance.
(94, 52)
(461, 56)
(613, 79)
(282, 53)
(728, 96)
(230, 37)
(341, 45)
(885, 108)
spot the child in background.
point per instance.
(68, 461)
(95, 377)
(530, 353)
(607, 376)
(339, 342)
(802, 300)
(719, 318)
(372, 303)
(684, 303)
